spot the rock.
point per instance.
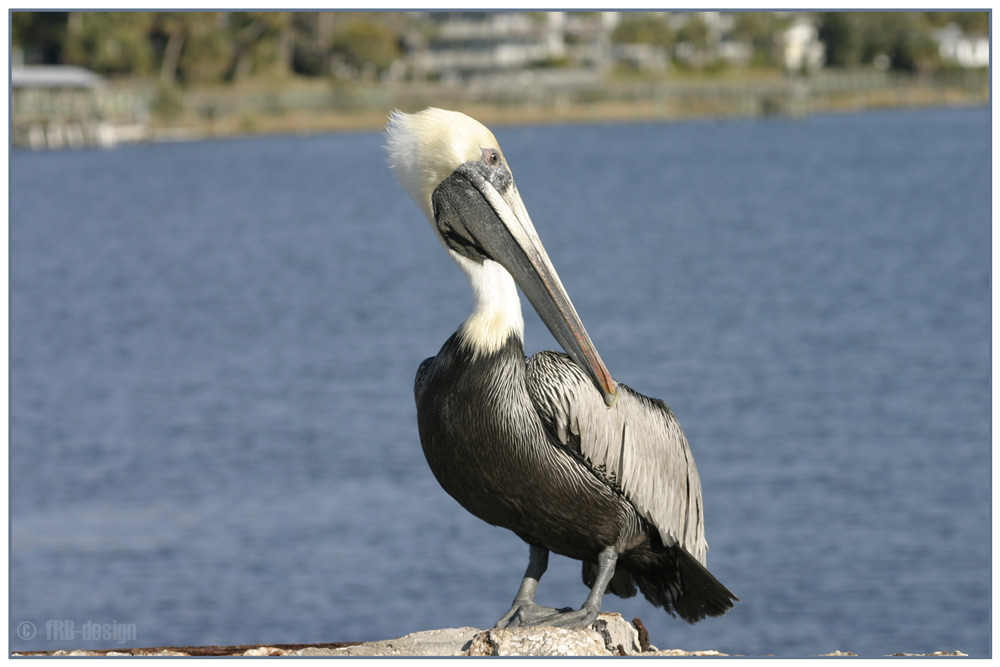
(617, 632)
(264, 650)
(603, 638)
(449, 641)
(317, 651)
(83, 652)
(610, 634)
(674, 652)
(538, 641)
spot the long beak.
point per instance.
(507, 236)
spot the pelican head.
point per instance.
(452, 167)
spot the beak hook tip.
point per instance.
(610, 399)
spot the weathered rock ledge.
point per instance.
(609, 635)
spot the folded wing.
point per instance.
(637, 445)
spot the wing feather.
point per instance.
(637, 445)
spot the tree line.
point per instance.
(191, 48)
(905, 38)
(899, 40)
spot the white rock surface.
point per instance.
(609, 635)
(538, 641)
(449, 641)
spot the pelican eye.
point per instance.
(492, 168)
(491, 157)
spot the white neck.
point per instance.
(497, 314)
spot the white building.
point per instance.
(466, 44)
(799, 47)
(963, 50)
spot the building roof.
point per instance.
(53, 76)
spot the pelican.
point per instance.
(549, 447)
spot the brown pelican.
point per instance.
(549, 447)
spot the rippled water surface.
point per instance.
(212, 349)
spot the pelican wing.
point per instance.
(637, 445)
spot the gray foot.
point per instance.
(570, 618)
(533, 614)
(528, 613)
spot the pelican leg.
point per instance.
(587, 614)
(524, 611)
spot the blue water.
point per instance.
(212, 348)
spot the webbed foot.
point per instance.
(528, 613)
(569, 618)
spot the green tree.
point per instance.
(261, 42)
(841, 32)
(973, 23)
(312, 36)
(110, 42)
(206, 51)
(693, 42)
(643, 28)
(39, 35)
(970, 22)
(905, 37)
(364, 44)
(858, 38)
(694, 32)
(758, 29)
(170, 32)
(208, 55)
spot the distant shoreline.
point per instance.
(306, 108)
(373, 121)
(605, 113)
(653, 102)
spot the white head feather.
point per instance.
(424, 149)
